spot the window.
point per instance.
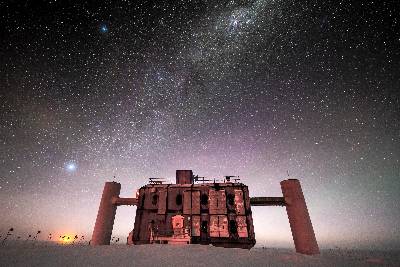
(154, 199)
(143, 198)
(179, 199)
(204, 199)
(230, 199)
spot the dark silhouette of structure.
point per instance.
(205, 212)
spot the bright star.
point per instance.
(71, 166)
(103, 28)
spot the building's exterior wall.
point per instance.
(213, 213)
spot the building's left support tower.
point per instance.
(106, 214)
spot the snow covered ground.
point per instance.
(41, 254)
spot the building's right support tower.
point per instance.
(299, 219)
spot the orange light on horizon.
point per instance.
(66, 238)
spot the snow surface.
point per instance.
(42, 254)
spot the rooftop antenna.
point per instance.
(287, 171)
(201, 179)
(156, 180)
(228, 177)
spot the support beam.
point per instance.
(299, 219)
(119, 201)
(267, 201)
(106, 214)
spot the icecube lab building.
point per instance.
(195, 211)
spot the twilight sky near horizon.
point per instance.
(262, 88)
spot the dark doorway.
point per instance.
(204, 231)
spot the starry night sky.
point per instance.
(260, 89)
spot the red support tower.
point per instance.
(106, 214)
(299, 219)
